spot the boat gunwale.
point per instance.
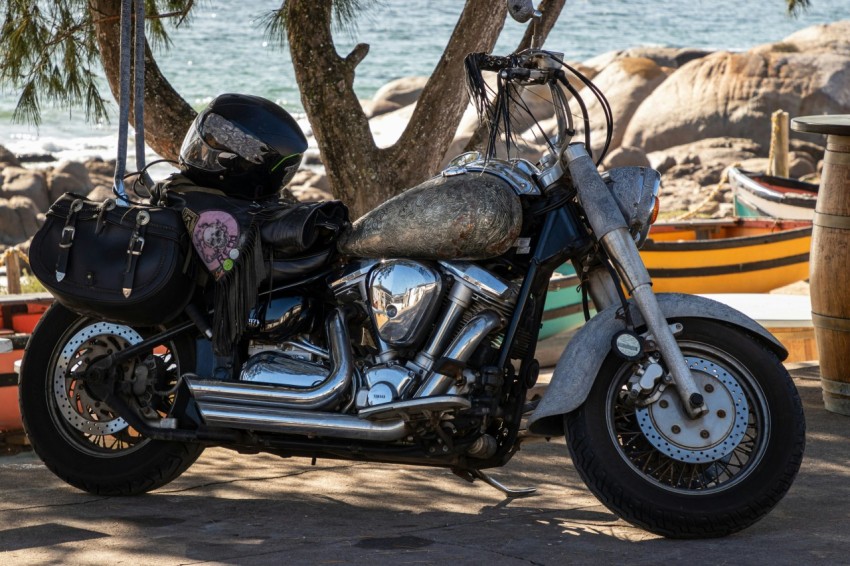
(725, 243)
(746, 180)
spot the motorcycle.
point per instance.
(409, 336)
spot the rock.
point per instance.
(310, 186)
(687, 54)
(661, 161)
(734, 94)
(665, 56)
(625, 157)
(62, 183)
(827, 38)
(813, 150)
(100, 172)
(18, 220)
(310, 194)
(800, 164)
(387, 128)
(403, 91)
(374, 108)
(100, 193)
(756, 164)
(74, 169)
(711, 153)
(599, 62)
(312, 157)
(18, 181)
(626, 83)
(36, 158)
(8, 158)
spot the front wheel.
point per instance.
(681, 478)
(76, 434)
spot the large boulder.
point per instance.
(17, 181)
(8, 158)
(372, 108)
(61, 183)
(626, 157)
(625, 82)
(18, 220)
(733, 94)
(403, 91)
(76, 170)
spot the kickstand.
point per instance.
(511, 493)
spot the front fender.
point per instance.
(580, 362)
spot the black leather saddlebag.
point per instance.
(128, 265)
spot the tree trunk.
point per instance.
(361, 174)
(167, 114)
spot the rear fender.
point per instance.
(580, 362)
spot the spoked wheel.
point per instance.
(79, 436)
(647, 461)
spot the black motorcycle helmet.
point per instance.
(246, 146)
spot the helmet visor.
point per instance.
(198, 153)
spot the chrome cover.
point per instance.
(635, 189)
(517, 172)
(384, 383)
(280, 369)
(480, 279)
(403, 296)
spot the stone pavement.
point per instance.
(260, 509)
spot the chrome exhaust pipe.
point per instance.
(322, 396)
(331, 425)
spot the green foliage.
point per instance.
(797, 6)
(345, 16)
(48, 52)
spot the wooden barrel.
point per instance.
(829, 265)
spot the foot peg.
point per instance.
(472, 475)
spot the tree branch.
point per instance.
(443, 100)
(357, 55)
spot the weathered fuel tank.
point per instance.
(472, 215)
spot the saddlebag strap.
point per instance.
(67, 239)
(134, 250)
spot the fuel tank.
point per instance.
(471, 215)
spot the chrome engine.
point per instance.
(424, 322)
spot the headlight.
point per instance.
(636, 191)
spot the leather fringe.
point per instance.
(236, 294)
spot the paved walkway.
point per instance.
(260, 509)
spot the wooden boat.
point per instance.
(18, 316)
(776, 197)
(742, 255)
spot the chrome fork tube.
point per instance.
(610, 228)
(621, 248)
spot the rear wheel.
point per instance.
(80, 437)
(683, 478)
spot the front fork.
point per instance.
(609, 226)
(622, 250)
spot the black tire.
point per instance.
(109, 459)
(636, 479)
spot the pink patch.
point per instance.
(215, 236)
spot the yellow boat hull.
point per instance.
(730, 256)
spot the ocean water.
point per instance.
(223, 49)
